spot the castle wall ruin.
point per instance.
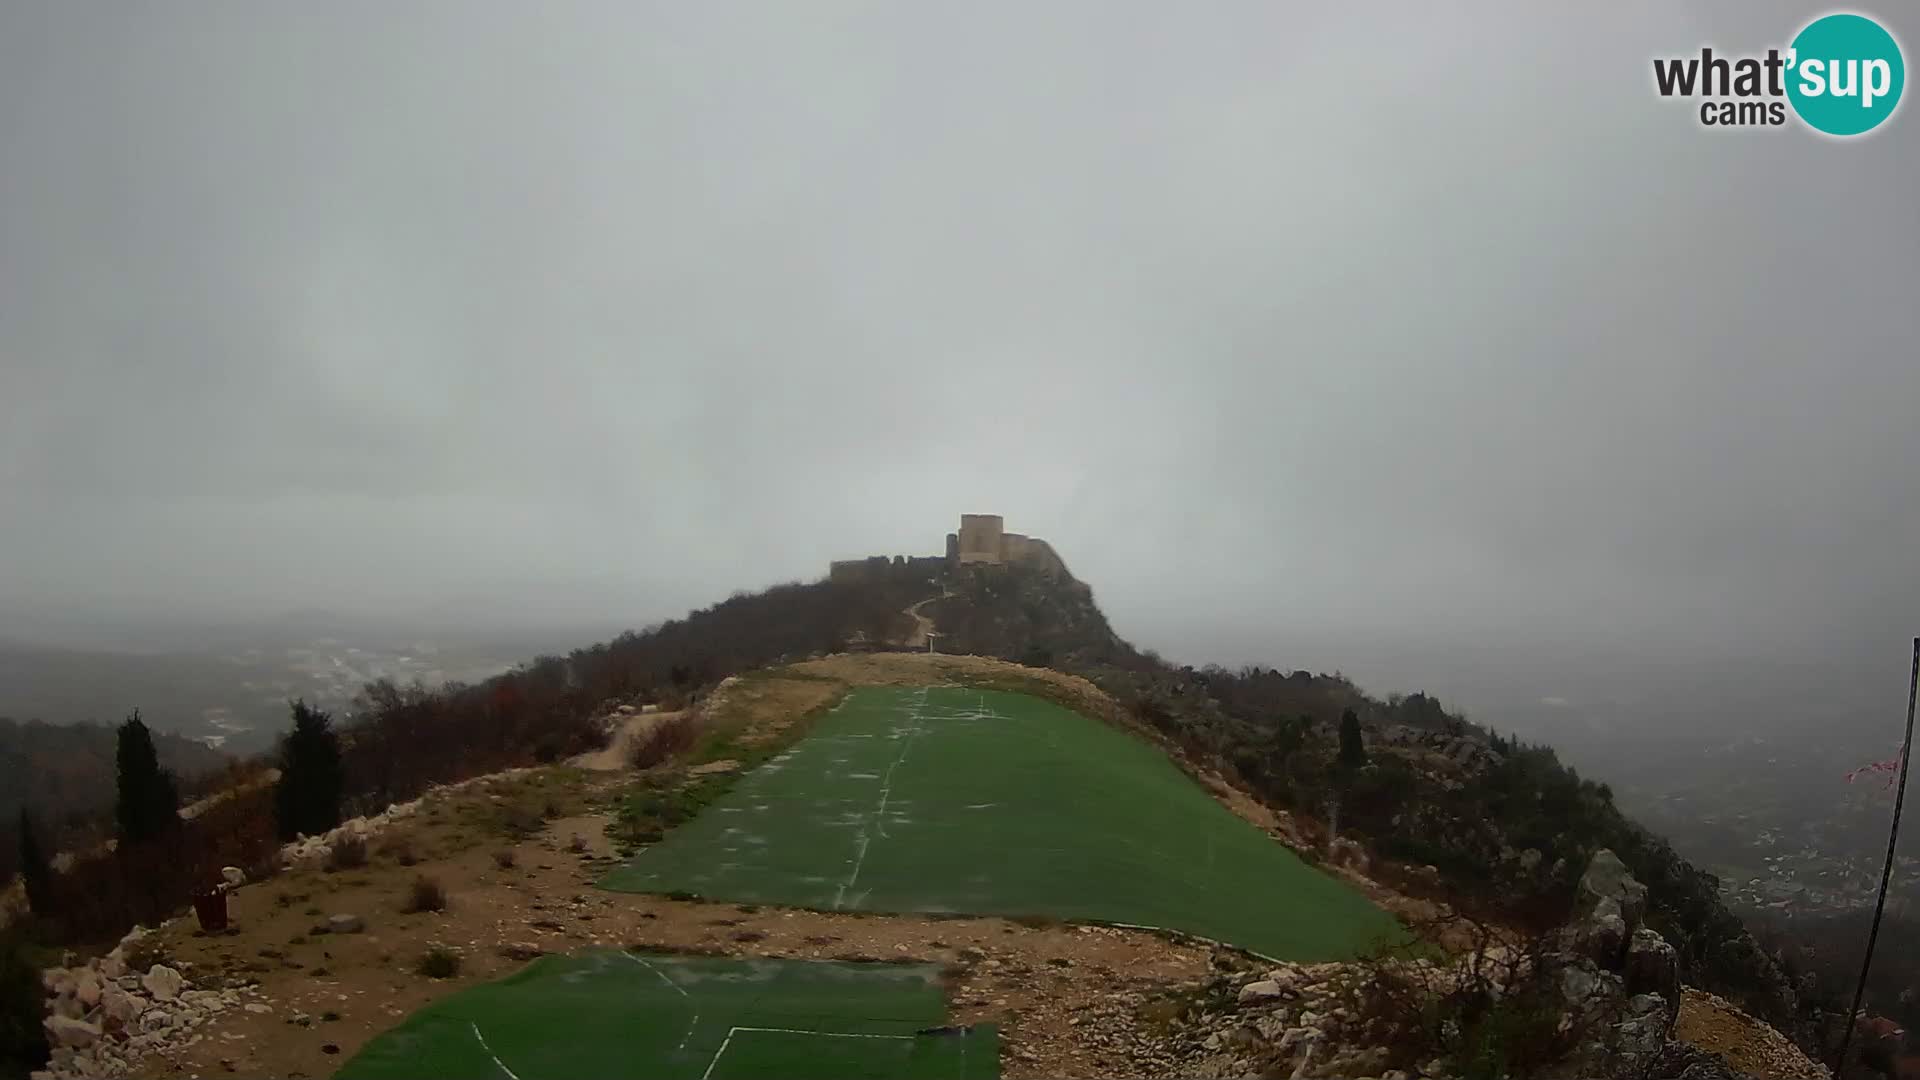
(981, 541)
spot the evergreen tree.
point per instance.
(149, 801)
(1353, 751)
(36, 873)
(307, 799)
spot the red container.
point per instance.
(211, 907)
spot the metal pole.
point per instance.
(1886, 874)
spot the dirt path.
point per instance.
(923, 625)
(615, 755)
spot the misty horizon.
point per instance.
(586, 320)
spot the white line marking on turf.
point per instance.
(731, 1032)
(663, 975)
(886, 792)
(886, 786)
(511, 1075)
(677, 989)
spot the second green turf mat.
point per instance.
(606, 1013)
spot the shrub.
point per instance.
(427, 894)
(439, 963)
(675, 735)
(503, 858)
(518, 821)
(347, 853)
(1493, 1012)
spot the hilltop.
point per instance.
(1436, 819)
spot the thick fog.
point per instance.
(1302, 335)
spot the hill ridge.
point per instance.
(1441, 807)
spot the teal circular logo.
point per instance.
(1845, 75)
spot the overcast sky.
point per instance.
(1285, 327)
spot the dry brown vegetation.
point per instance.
(672, 735)
(427, 895)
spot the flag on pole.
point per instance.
(1891, 767)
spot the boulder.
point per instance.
(66, 1031)
(111, 966)
(1586, 992)
(155, 1019)
(345, 924)
(1603, 938)
(86, 988)
(1263, 990)
(233, 876)
(1640, 1036)
(121, 1008)
(1652, 966)
(163, 982)
(1609, 888)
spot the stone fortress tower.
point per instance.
(983, 538)
(982, 541)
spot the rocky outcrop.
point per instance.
(1610, 986)
(1290, 1021)
(1652, 966)
(1608, 889)
(1469, 753)
(1618, 981)
(104, 1020)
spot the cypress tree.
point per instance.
(307, 798)
(149, 801)
(1353, 751)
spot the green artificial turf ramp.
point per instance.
(947, 799)
(606, 1013)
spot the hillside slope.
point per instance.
(1503, 826)
(1448, 810)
